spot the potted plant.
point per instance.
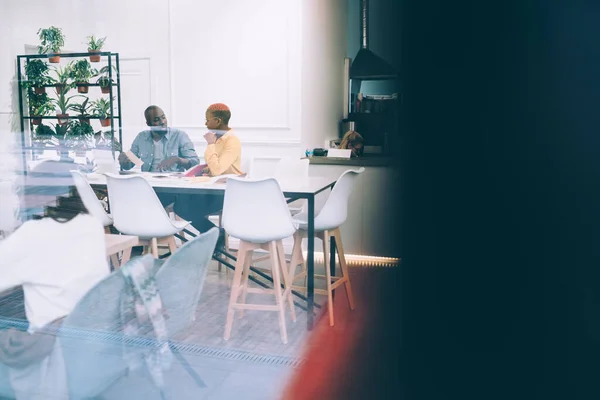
(37, 75)
(78, 135)
(105, 140)
(105, 81)
(101, 109)
(52, 41)
(83, 110)
(62, 149)
(80, 72)
(63, 104)
(62, 78)
(40, 105)
(44, 134)
(94, 46)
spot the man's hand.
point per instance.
(210, 137)
(167, 163)
(123, 159)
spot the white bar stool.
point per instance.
(255, 212)
(327, 224)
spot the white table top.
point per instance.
(117, 243)
(161, 180)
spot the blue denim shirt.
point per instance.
(176, 143)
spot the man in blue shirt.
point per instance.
(161, 148)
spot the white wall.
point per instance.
(21, 21)
(278, 64)
(323, 51)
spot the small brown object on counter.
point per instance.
(354, 141)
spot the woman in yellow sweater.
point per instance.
(223, 157)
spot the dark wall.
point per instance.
(384, 36)
(501, 200)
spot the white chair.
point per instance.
(89, 199)
(281, 168)
(288, 169)
(137, 211)
(259, 168)
(327, 224)
(263, 167)
(293, 170)
(96, 209)
(255, 212)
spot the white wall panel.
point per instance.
(137, 92)
(242, 53)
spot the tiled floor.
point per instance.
(256, 331)
(252, 364)
(224, 379)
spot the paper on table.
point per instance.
(214, 179)
(223, 178)
(339, 153)
(134, 159)
(198, 179)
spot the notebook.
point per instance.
(196, 170)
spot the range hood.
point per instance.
(366, 64)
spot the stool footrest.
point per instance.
(260, 291)
(338, 283)
(260, 307)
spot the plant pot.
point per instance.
(62, 118)
(58, 88)
(82, 87)
(36, 121)
(84, 120)
(94, 57)
(39, 90)
(105, 122)
(105, 89)
(54, 59)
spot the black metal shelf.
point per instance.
(82, 148)
(109, 59)
(76, 85)
(67, 55)
(69, 117)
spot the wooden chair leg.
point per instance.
(296, 256)
(245, 275)
(114, 259)
(235, 286)
(172, 245)
(154, 245)
(125, 256)
(287, 294)
(344, 266)
(275, 267)
(325, 239)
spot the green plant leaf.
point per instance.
(95, 44)
(52, 40)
